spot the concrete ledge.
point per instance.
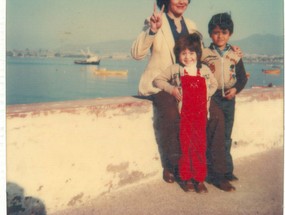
(261, 94)
(99, 107)
(67, 153)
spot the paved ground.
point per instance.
(259, 191)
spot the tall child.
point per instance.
(230, 73)
(192, 85)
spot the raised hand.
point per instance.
(155, 19)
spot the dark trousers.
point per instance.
(166, 125)
(219, 130)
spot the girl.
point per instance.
(192, 85)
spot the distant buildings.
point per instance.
(45, 53)
(254, 58)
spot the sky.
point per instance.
(51, 24)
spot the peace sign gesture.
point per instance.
(155, 19)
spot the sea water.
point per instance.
(34, 80)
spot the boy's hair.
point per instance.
(165, 3)
(223, 20)
(191, 42)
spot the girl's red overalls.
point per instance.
(192, 163)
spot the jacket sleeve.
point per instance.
(241, 76)
(163, 80)
(213, 84)
(142, 45)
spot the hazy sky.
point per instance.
(53, 23)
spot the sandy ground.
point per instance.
(259, 191)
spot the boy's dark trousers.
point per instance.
(219, 140)
(166, 125)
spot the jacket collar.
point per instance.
(166, 31)
(213, 47)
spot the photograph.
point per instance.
(142, 107)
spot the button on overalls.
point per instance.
(192, 163)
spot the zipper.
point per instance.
(223, 70)
(223, 78)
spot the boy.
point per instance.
(192, 85)
(230, 73)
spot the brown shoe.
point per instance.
(201, 188)
(168, 176)
(225, 186)
(231, 177)
(187, 186)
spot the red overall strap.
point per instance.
(198, 72)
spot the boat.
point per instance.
(91, 58)
(270, 85)
(90, 61)
(275, 71)
(105, 72)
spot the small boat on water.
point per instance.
(275, 71)
(105, 72)
(91, 58)
(270, 85)
(90, 61)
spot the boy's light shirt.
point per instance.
(222, 52)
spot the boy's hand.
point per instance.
(156, 19)
(237, 51)
(176, 93)
(231, 93)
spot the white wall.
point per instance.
(66, 153)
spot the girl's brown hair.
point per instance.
(191, 42)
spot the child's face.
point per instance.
(220, 37)
(187, 57)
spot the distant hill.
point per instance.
(262, 44)
(267, 44)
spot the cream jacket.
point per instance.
(161, 47)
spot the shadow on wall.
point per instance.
(19, 204)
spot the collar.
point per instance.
(172, 20)
(221, 52)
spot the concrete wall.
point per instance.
(67, 153)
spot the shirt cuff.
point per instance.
(151, 32)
